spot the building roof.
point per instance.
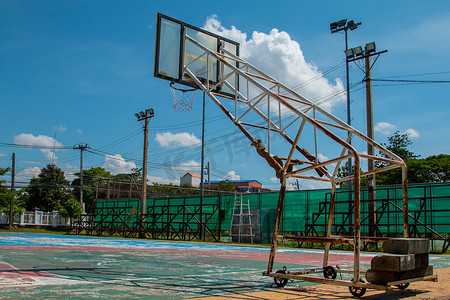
(193, 175)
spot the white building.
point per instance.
(191, 179)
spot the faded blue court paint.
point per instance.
(37, 239)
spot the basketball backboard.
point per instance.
(174, 52)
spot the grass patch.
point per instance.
(34, 230)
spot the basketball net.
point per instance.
(182, 98)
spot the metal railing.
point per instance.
(37, 218)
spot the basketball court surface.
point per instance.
(43, 266)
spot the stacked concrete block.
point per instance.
(403, 259)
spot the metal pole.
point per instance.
(13, 175)
(81, 178)
(209, 178)
(144, 170)
(349, 121)
(370, 150)
(81, 148)
(202, 171)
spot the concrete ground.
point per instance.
(42, 266)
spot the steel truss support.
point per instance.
(271, 103)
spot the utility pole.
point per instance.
(353, 55)
(371, 181)
(144, 116)
(13, 176)
(81, 147)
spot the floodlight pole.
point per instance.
(349, 122)
(343, 25)
(202, 190)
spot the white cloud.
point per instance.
(171, 140)
(2, 154)
(69, 175)
(39, 141)
(322, 157)
(27, 174)
(385, 128)
(160, 180)
(314, 185)
(231, 176)
(79, 131)
(190, 166)
(282, 58)
(60, 128)
(69, 172)
(117, 165)
(412, 133)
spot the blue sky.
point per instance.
(76, 72)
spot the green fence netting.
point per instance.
(304, 212)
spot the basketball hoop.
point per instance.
(182, 98)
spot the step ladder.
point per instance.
(241, 219)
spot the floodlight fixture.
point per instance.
(333, 26)
(352, 25)
(151, 112)
(338, 26)
(341, 23)
(137, 115)
(142, 114)
(349, 53)
(370, 47)
(358, 51)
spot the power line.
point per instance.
(412, 81)
(421, 74)
(34, 146)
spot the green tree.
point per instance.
(398, 144)
(434, 168)
(343, 172)
(226, 185)
(71, 209)
(5, 194)
(49, 190)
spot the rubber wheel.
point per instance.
(355, 291)
(329, 272)
(280, 282)
(402, 286)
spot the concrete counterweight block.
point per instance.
(422, 260)
(393, 262)
(406, 246)
(383, 277)
(403, 259)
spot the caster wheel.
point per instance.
(355, 291)
(402, 286)
(280, 282)
(329, 272)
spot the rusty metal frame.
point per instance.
(272, 101)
